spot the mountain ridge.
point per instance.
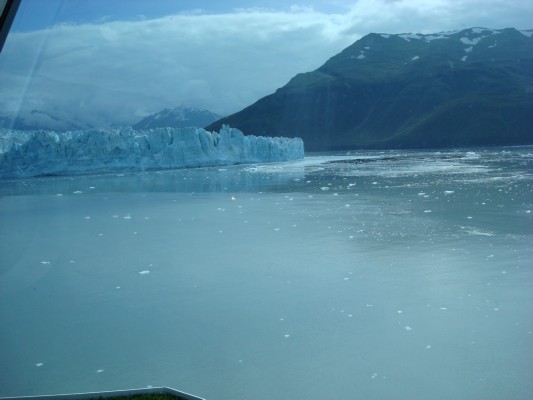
(472, 87)
(177, 117)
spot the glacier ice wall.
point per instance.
(38, 153)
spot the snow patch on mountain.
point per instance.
(425, 38)
(38, 153)
(472, 42)
(472, 36)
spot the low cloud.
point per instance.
(221, 62)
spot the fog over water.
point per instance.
(372, 275)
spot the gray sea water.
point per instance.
(369, 275)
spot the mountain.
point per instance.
(36, 119)
(70, 119)
(179, 117)
(53, 104)
(466, 88)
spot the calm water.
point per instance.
(375, 275)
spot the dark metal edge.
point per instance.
(107, 394)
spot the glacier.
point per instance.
(41, 153)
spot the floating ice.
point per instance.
(39, 364)
(144, 272)
(99, 371)
(408, 328)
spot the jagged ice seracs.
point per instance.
(38, 153)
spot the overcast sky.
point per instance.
(122, 59)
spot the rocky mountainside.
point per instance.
(178, 117)
(467, 88)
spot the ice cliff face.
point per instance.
(37, 153)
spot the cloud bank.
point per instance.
(117, 72)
